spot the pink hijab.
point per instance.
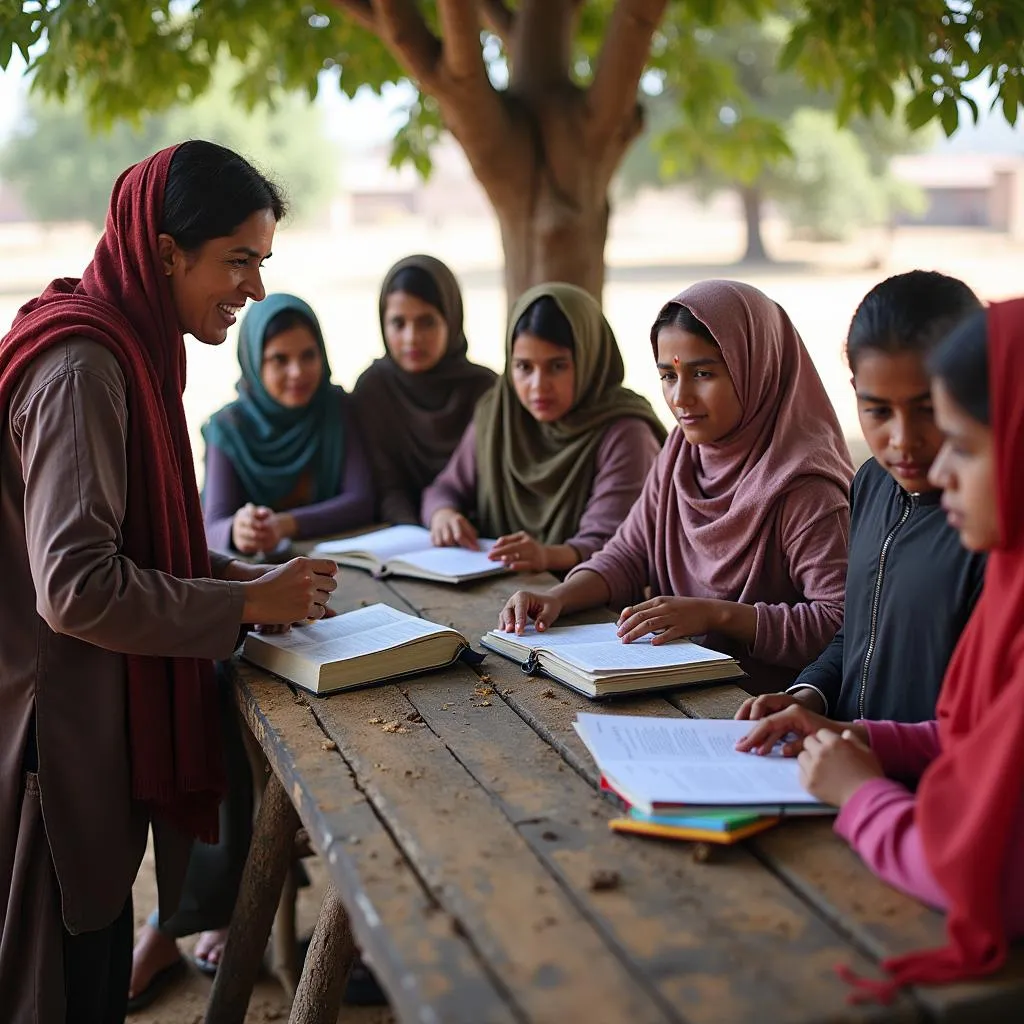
(727, 495)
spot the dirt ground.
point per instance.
(185, 1003)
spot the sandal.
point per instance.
(158, 984)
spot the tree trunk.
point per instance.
(553, 241)
(752, 210)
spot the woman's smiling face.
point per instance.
(211, 285)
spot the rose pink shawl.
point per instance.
(726, 496)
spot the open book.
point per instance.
(593, 660)
(665, 767)
(407, 551)
(368, 645)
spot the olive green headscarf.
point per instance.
(537, 476)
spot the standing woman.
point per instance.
(284, 460)
(414, 403)
(112, 607)
(557, 451)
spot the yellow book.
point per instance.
(699, 835)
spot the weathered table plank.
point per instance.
(804, 854)
(722, 942)
(429, 970)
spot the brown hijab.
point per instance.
(412, 422)
(538, 476)
(724, 496)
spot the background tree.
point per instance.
(776, 139)
(544, 102)
(64, 171)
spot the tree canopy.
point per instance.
(542, 95)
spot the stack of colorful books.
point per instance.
(682, 778)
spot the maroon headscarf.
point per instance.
(724, 495)
(123, 301)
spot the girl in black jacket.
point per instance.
(910, 585)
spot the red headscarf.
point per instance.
(970, 795)
(123, 301)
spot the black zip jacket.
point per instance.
(910, 589)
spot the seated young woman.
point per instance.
(936, 808)
(414, 403)
(741, 530)
(558, 451)
(911, 585)
(284, 460)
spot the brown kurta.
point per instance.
(71, 607)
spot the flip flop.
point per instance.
(204, 966)
(158, 984)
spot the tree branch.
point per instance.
(401, 26)
(460, 33)
(542, 45)
(612, 95)
(498, 18)
(361, 12)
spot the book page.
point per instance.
(382, 545)
(597, 648)
(452, 561)
(685, 760)
(365, 631)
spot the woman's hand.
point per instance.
(297, 590)
(791, 727)
(524, 605)
(755, 708)
(520, 553)
(451, 529)
(670, 618)
(834, 766)
(258, 528)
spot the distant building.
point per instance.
(984, 190)
(372, 191)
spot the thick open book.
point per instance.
(407, 551)
(368, 645)
(593, 660)
(662, 765)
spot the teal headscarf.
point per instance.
(271, 446)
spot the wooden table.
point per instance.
(469, 854)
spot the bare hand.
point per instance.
(297, 590)
(792, 725)
(756, 708)
(520, 553)
(451, 529)
(523, 605)
(833, 767)
(257, 528)
(670, 618)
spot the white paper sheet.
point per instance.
(382, 544)
(688, 761)
(453, 561)
(597, 648)
(363, 631)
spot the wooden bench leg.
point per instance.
(270, 858)
(284, 945)
(330, 956)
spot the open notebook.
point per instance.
(593, 660)
(407, 551)
(368, 645)
(669, 767)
